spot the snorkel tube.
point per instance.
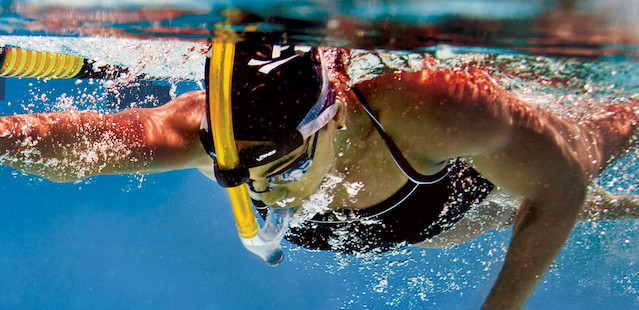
(264, 242)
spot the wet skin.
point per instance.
(546, 160)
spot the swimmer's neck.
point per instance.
(360, 151)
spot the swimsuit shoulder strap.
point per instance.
(399, 158)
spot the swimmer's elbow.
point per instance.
(561, 207)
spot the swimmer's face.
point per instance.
(292, 194)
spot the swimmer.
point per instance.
(429, 154)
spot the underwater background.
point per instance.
(168, 241)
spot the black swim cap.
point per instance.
(276, 89)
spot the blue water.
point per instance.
(168, 241)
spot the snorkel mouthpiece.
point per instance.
(264, 243)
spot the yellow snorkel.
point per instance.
(265, 242)
(220, 75)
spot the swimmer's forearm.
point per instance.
(71, 145)
(539, 234)
(601, 206)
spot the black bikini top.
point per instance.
(424, 207)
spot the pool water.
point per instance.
(168, 241)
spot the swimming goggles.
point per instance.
(294, 171)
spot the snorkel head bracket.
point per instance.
(231, 177)
(280, 97)
(230, 172)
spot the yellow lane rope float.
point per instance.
(17, 62)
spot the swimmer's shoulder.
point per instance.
(190, 102)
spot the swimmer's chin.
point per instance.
(289, 202)
(278, 197)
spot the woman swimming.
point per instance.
(426, 148)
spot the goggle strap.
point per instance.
(312, 127)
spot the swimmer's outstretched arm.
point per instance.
(600, 205)
(498, 210)
(73, 145)
(546, 159)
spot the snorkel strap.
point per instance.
(231, 177)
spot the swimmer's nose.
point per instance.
(259, 186)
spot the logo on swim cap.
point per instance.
(279, 96)
(276, 58)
